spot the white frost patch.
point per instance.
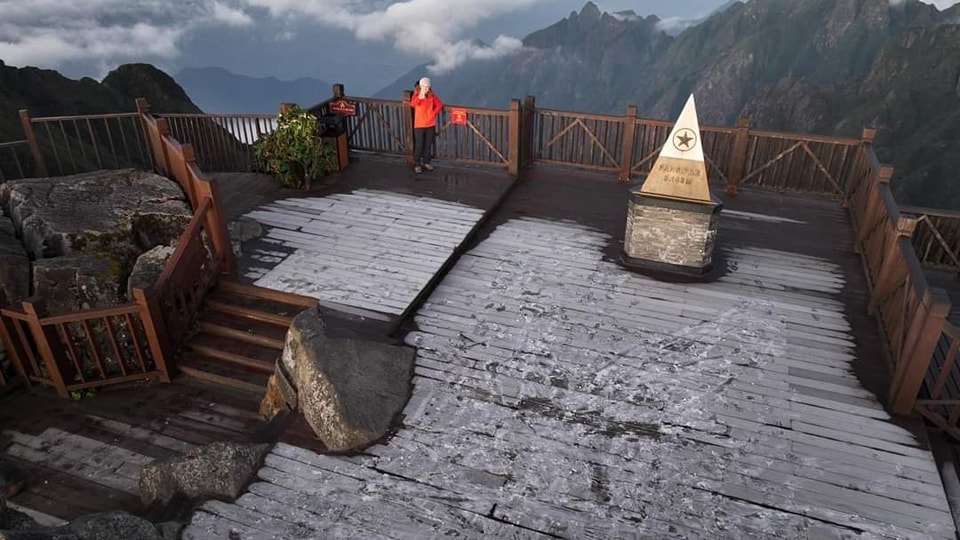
(558, 393)
(369, 249)
(752, 216)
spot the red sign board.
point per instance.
(458, 117)
(343, 107)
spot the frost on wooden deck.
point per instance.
(368, 249)
(558, 394)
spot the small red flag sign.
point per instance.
(343, 108)
(458, 117)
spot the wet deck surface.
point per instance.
(85, 456)
(559, 394)
(369, 239)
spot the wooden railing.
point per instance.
(940, 403)
(912, 315)
(15, 161)
(138, 340)
(87, 349)
(63, 145)
(222, 142)
(189, 274)
(937, 238)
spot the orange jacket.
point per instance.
(425, 110)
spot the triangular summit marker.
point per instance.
(680, 171)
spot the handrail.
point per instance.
(94, 313)
(923, 211)
(106, 116)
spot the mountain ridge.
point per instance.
(819, 66)
(219, 91)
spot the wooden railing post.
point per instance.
(922, 336)
(738, 162)
(32, 142)
(15, 349)
(513, 166)
(868, 135)
(216, 222)
(529, 127)
(154, 139)
(408, 126)
(629, 139)
(156, 329)
(48, 345)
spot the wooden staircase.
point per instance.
(240, 334)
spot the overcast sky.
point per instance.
(367, 42)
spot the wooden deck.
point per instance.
(558, 394)
(372, 238)
(85, 456)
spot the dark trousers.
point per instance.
(423, 144)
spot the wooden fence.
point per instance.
(82, 350)
(937, 238)
(15, 161)
(63, 145)
(911, 314)
(138, 340)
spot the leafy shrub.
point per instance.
(295, 152)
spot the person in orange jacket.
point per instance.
(426, 106)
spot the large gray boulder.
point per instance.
(113, 526)
(85, 232)
(102, 526)
(219, 470)
(105, 211)
(243, 230)
(348, 390)
(78, 282)
(148, 268)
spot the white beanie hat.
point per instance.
(425, 82)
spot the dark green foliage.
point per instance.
(295, 152)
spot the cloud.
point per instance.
(432, 28)
(50, 33)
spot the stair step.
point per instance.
(255, 314)
(221, 379)
(242, 324)
(270, 295)
(213, 352)
(246, 336)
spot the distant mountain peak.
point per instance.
(590, 11)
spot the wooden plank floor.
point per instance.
(372, 238)
(558, 394)
(82, 457)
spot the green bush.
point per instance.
(295, 152)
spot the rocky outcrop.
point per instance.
(106, 211)
(148, 268)
(348, 390)
(220, 470)
(113, 526)
(243, 230)
(78, 282)
(87, 231)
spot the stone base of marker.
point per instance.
(670, 235)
